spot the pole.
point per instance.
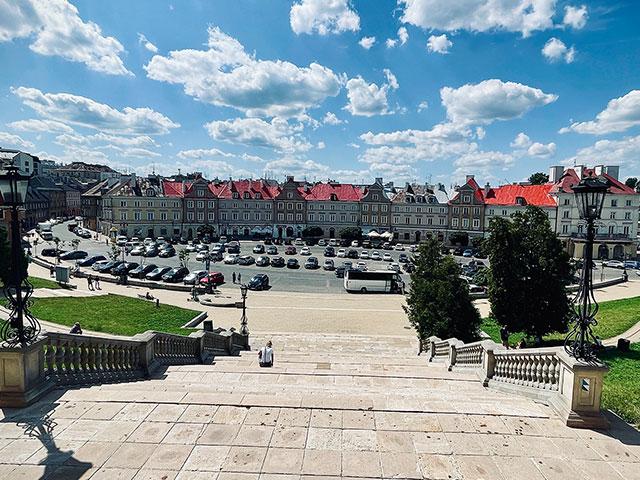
(17, 321)
(586, 288)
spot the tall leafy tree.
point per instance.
(529, 274)
(538, 178)
(631, 182)
(438, 301)
(350, 233)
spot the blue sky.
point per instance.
(499, 89)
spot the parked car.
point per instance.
(202, 256)
(259, 281)
(98, 264)
(341, 253)
(328, 265)
(277, 262)
(333, 242)
(362, 266)
(258, 249)
(194, 277)
(233, 247)
(231, 259)
(353, 254)
(175, 275)
(88, 262)
(121, 240)
(106, 267)
(136, 251)
(476, 288)
(375, 255)
(355, 244)
(347, 265)
(364, 254)
(394, 266)
(468, 253)
(167, 252)
(263, 261)
(633, 264)
(322, 242)
(213, 278)
(402, 258)
(305, 251)
(311, 263)
(157, 273)
(246, 260)
(340, 271)
(329, 251)
(123, 268)
(399, 247)
(141, 271)
(613, 264)
(51, 252)
(387, 257)
(366, 244)
(272, 250)
(191, 248)
(151, 251)
(387, 246)
(409, 267)
(74, 255)
(293, 263)
(299, 242)
(290, 250)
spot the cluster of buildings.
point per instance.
(186, 206)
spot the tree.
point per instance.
(75, 243)
(312, 232)
(538, 178)
(631, 182)
(529, 274)
(114, 252)
(184, 258)
(438, 302)
(350, 233)
(459, 238)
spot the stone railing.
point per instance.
(572, 387)
(67, 359)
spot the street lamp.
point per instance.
(580, 340)
(244, 329)
(21, 328)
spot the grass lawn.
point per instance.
(621, 392)
(113, 314)
(44, 283)
(614, 318)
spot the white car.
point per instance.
(231, 259)
(121, 241)
(298, 242)
(613, 263)
(355, 244)
(191, 248)
(322, 242)
(341, 253)
(399, 247)
(362, 266)
(375, 255)
(148, 240)
(394, 266)
(305, 251)
(139, 250)
(364, 254)
(202, 256)
(333, 242)
(413, 248)
(387, 257)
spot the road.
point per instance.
(281, 279)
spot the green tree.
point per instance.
(459, 238)
(312, 232)
(538, 178)
(529, 274)
(184, 258)
(438, 301)
(350, 233)
(114, 252)
(631, 182)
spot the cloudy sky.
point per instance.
(343, 89)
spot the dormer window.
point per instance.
(150, 192)
(246, 195)
(520, 201)
(289, 195)
(258, 196)
(334, 197)
(236, 195)
(200, 192)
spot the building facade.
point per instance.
(466, 209)
(332, 206)
(375, 208)
(419, 212)
(290, 209)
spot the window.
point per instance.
(332, 217)
(280, 205)
(256, 216)
(407, 220)
(625, 230)
(289, 217)
(136, 203)
(123, 215)
(354, 218)
(223, 216)
(565, 228)
(612, 215)
(150, 203)
(281, 217)
(245, 215)
(234, 216)
(190, 216)
(150, 216)
(384, 208)
(565, 214)
(628, 203)
(200, 204)
(476, 211)
(614, 202)
(567, 201)
(201, 216)
(190, 204)
(123, 203)
(456, 210)
(419, 221)
(365, 218)
(289, 206)
(258, 196)
(236, 195)
(163, 216)
(365, 207)
(212, 204)
(289, 195)
(465, 210)
(176, 216)
(374, 196)
(212, 216)
(246, 195)
(454, 222)
(611, 229)
(466, 199)
(465, 223)
(627, 215)
(476, 223)
(374, 219)
(299, 206)
(343, 218)
(200, 192)
(298, 217)
(311, 217)
(137, 215)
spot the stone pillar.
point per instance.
(489, 360)
(22, 377)
(453, 344)
(432, 348)
(147, 352)
(580, 392)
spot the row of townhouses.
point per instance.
(189, 205)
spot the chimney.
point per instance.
(555, 173)
(613, 171)
(379, 180)
(579, 169)
(598, 169)
(469, 178)
(487, 187)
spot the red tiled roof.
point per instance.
(345, 192)
(570, 178)
(537, 195)
(172, 189)
(478, 192)
(226, 189)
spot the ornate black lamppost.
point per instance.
(21, 328)
(244, 329)
(580, 340)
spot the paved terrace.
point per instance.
(332, 407)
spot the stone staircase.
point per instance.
(333, 406)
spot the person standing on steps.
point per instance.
(265, 355)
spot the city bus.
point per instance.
(382, 281)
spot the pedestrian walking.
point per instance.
(239, 278)
(52, 271)
(96, 283)
(265, 355)
(233, 276)
(504, 336)
(89, 282)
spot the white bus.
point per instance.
(383, 281)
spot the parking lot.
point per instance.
(281, 279)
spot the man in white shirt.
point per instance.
(265, 355)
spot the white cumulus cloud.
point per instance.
(367, 42)
(82, 111)
(555, 50)
(524, 16)
(146, 43)
(330, 118)
(200, 153)
(36, 125)
(541, 150)
(575, 17)
(368, 99)
(522, 140)
(323, 17)
(621, 114)
(225, 75)
(56, 29)
(491, 100)
(9, 140)
(439, 44)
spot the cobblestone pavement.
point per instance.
(332, 407)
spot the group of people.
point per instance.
(93, 283)
(238, 277)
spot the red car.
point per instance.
(290, 250)
(213, 278)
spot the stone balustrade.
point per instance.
(55, 359)
(572, 387)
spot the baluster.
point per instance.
(59, 358)
(84, 357)
(77, 368)
(557, 372)
(68, 358)
(531, 369)
(127, 360)
(539, 380)
(118, 357)
(91, 358)
(49, 358)
(545, 372)
(110, 357)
